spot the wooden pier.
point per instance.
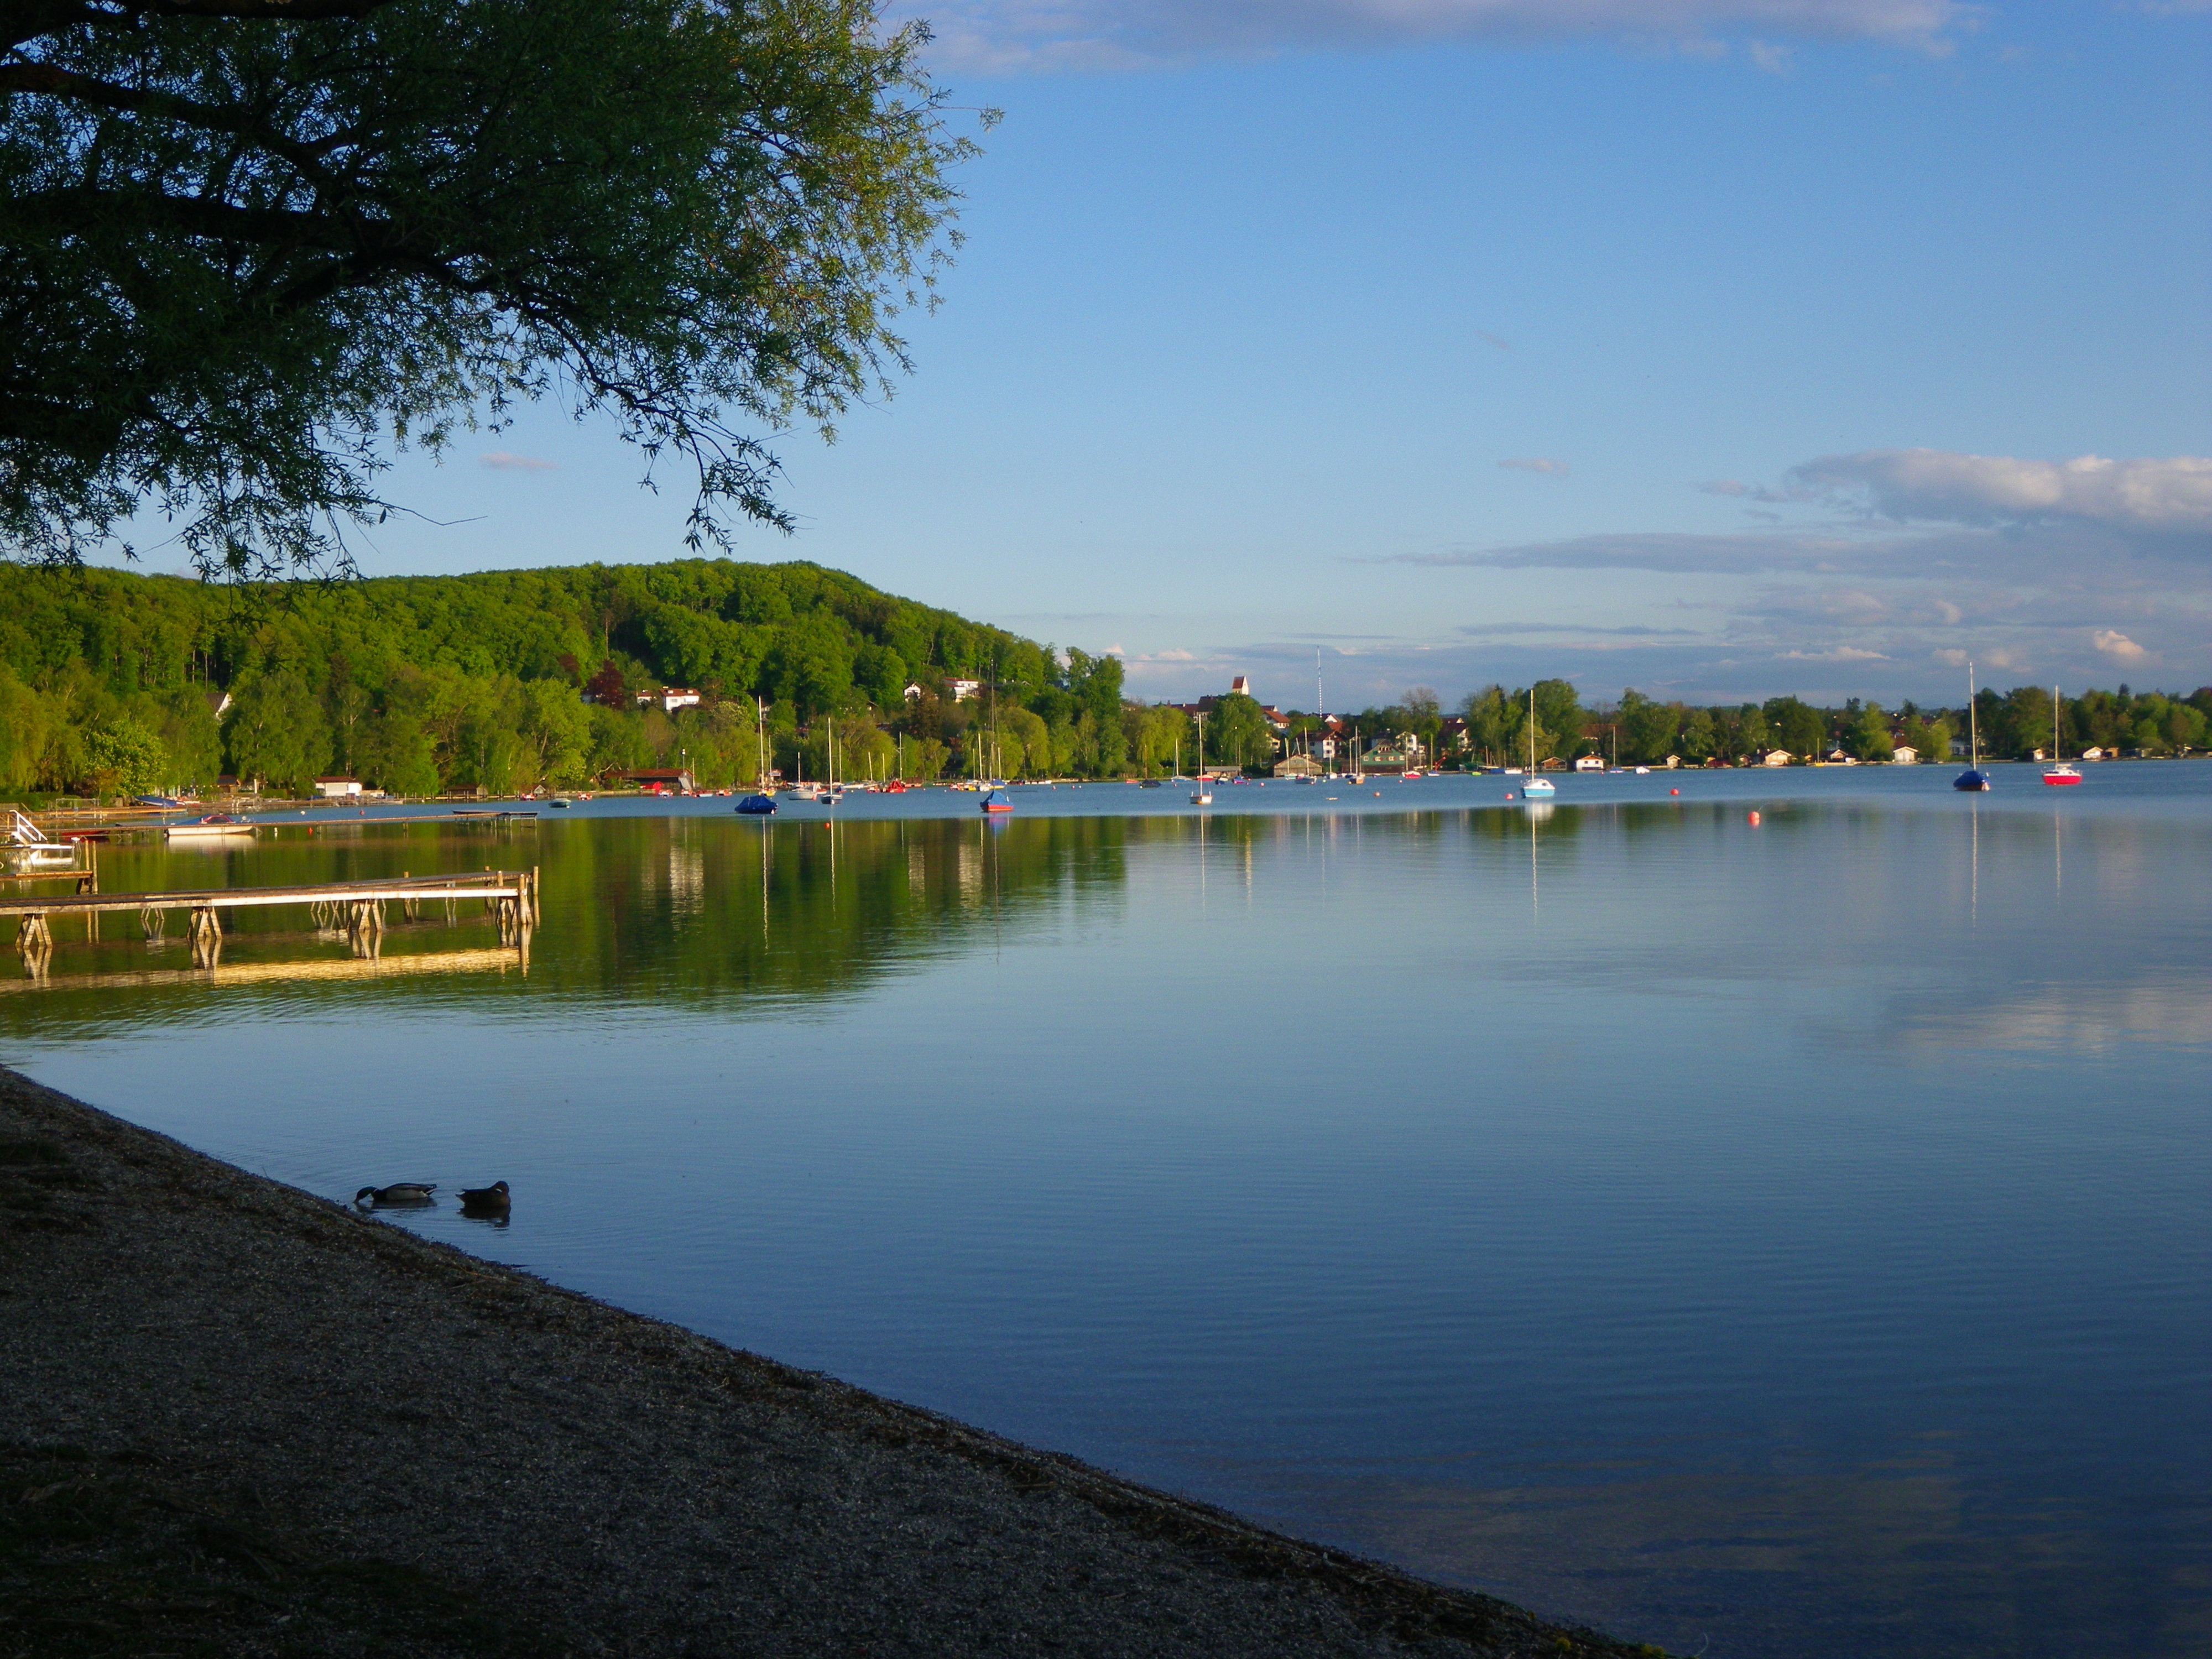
(357, 906)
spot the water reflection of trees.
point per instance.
(698, 909)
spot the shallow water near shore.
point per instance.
(1777, 1238)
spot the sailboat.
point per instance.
(2060, 772)
(1973, 778)
(1201, 796)
(761, 803)
(1538, 784)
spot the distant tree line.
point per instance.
(1642, 731)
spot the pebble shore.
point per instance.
(237, 1418)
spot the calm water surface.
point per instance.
(1779, 1239)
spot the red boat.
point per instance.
(2060, 772)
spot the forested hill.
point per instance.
(110, 680)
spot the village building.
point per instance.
(1298, 766)
(658, 780)
(964, 690)
(1905, 754)
(338, 789)
(671, 698)
(1776, 757)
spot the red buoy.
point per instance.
(1673, 791)
(1751, 817)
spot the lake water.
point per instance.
(1777, 1238)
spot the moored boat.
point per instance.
(214, 825)
(1973, 779)
(2058, 772)
(997, 800)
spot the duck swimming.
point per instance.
(485, 1200)
(398, 1193)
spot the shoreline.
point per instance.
(439, 1454)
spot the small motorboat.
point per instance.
(998, 801)
(214, 825)
(757, 806)
(2061, 773)
(561, 801)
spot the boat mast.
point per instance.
(1973, 729)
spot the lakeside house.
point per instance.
(338, 789)
(964, 690)
(1590, 763)
(671, 698)
(1298, 766)
(1905, 754)
(1776, 757)
(658, 779)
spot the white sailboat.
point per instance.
(1538, 786)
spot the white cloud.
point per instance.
(1775, 60)
(1841, 653)
(2118, 647)
(500, 461)
(1001, 36)
(2173, 494)
(1536, 464)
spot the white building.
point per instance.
(1905, 754)
(1240, 687)
(671, 698)
(964, 690)
(338, 789)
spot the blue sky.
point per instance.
(1719, 350)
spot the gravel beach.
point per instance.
(237, 1419)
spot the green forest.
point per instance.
(111, 682)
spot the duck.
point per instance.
(490, 1199)
(398, 1192)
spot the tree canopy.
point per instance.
(248, 245)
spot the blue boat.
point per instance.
(1973, 778)
(757, 806)
(998, 801)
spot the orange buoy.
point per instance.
(1751, 817)
(1673, 791)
